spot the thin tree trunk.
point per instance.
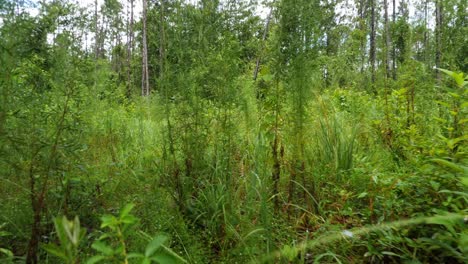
(129, 51)
(96, 41)
(276, 160)
(426, 39)
(372, 44)
(438, 54)
(144, 72)
(394, 75)
(162, 51)
(162, 62)
(96, 33)
(362, 11)
(38, 197)
(387, 40)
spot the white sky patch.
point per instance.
(346, 11)
(262, 11)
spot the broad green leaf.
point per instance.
(68, 227)
(463, 242)
(267, 77)
(464, 181)
(449, 73)
(129, 219)
(108, 220)
(55, 250)
(6, 252)
(103, 248)
(95, 259)
(154, 245)
(449, 165)
(449, 223)
(457, 77)
(126, 210)
(60, 229)
(362, 195)
(4, 233)
(165, 258)
(76, 231)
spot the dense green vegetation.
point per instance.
(322, 132)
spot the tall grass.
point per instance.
(335, 144)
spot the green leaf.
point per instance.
(454, 192)
(443, 103)
(457, 77)
(464, 181)
(126, 210)
(388, 253)
(164, 258)
(129, 219)
(67, 227)
(108, 220)
(448, 165)
(60, 228)
(103, 248)
(135, 255)
(95, 259)
(4, 233)
(146, 261)
(154, 245)
(267, 77)
(172, 253)
(55, 250)
(76, 231)
(449, 223)
(362, 195)
(6, 252)
(454, 95)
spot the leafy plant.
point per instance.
(112, 245)
(5, 254)
(70, 235)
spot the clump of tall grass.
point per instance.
(335, 144)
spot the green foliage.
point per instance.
(301, 165)
(336, 145)
(6, 254)
(70, 235)
(112, 245)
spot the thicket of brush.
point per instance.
(293, 167)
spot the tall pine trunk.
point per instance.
(387, 40)
(129, 50)
(144, 71)
(372, 44)
(394, 75)
(438, 32)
